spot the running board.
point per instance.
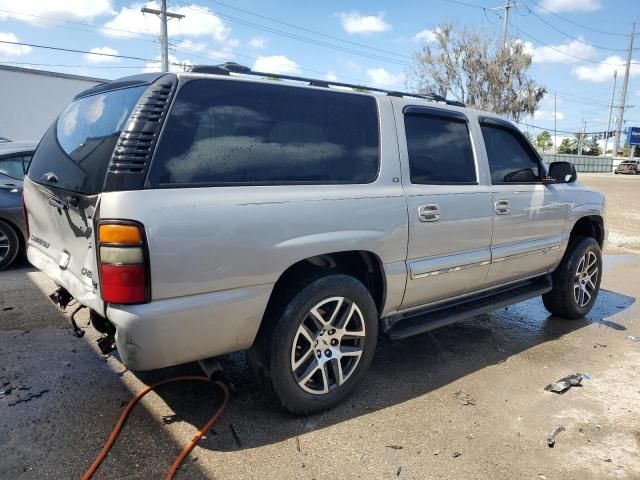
(423, 320)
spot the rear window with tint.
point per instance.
(230, 132)
(79, 145)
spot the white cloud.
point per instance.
(196, 23)
(7, 50)
(331, 76)
(258, 42)
(547, 115)
(355, 22)
(603, 72)
(426, 36)
(102, 58)
(276, 64)
(380, 77)
(66, 9)
(557, 6)
(553, 53)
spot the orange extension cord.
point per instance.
(127, 410)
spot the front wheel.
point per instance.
(314, 350)
(576, 281)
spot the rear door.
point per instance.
(449, 205)
(62, 190)
(529, 216)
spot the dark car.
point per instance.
(14, 160)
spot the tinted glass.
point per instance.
(231, 132)
(12, 167)
(439, 150)
(78, 147)
(510, 160)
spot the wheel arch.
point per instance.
(589, 226)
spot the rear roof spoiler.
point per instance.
(124, 82)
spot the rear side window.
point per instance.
(229, 132)
(12, 167)
(510, 160)
(78, 147)
(439, 150)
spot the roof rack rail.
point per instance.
(232, 67)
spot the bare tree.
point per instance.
(467, 66)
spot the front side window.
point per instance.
(439, 150)
(510, 160)
(222, 132)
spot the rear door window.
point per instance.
(225, 132)
(12, 167)
(439, 149)
(78, 147)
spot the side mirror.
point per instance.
(563, 172)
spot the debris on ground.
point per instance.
(456, 454)
(398, 471)
(633, 338)
(395, 447)
(465, 397)
(551, 438)
(28, 397)
(565, 383)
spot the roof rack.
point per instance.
(232, 67)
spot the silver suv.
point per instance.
(213, 211)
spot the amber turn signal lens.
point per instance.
(120, 234)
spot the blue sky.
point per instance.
(384, 36)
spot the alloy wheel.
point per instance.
(328, 345)
(586, 279)
(4, 245)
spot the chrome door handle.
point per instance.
(429, 213)
(502, 207)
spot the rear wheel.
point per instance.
(314, 351)
(9, 245)
(576, 281)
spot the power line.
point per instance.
(79, 51)
(618, 34)
(294, 36)
(64, 21)
(315, 32)
(3, 62)
(573, 38)
(569, 54)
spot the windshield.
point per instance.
(75, 152)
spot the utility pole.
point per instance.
(164, 38)
(581, 136)
(555, 128)
(623, 94)
(505, 19)
(613, 94)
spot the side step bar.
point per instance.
(420, 321)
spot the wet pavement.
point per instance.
(464, 401)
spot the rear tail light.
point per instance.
(124, 272)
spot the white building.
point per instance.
(31, 99)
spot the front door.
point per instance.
(528, 215)
(449, 205)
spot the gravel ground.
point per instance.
(464, 401)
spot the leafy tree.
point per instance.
(591, 147)
(543, 141)
(528, 135)
(568, 147)
(466, 65)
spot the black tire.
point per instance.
(561, 300)
(9, 245)
(273, 353)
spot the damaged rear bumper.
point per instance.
(179, 330)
